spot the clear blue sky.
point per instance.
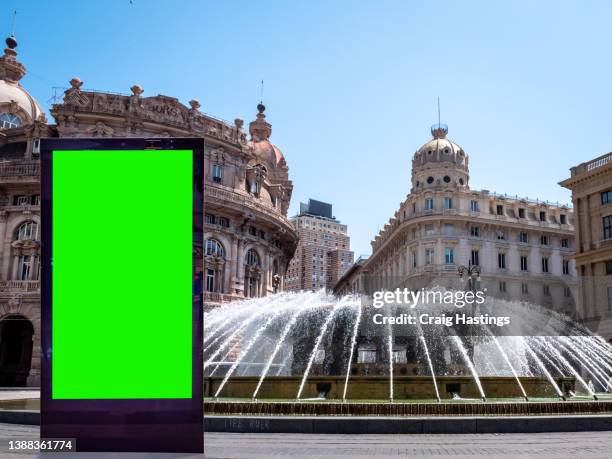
(351, 86)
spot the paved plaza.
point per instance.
(231, 445)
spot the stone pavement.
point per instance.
(576, 445)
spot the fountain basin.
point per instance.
(377, 387)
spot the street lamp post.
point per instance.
(473, 275)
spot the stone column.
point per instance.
(240, 265)
(34, 375)
(4, 251)
(15, 265)
(588, 234)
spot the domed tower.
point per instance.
(267, 171)
(17, 107)
(263, 149)
(440, 164)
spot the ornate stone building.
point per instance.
(591, 185)
(249, 240)
(524, 247)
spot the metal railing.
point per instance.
(216, 297)
(19, 286)
(247, 201)
(11, 169)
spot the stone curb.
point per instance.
(431, 425)
(29, 417)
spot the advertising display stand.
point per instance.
(122, 241)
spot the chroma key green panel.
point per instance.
(122, 274)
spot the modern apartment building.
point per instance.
(323, 254)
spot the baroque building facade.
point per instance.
(323, 253)
(523, 247)
(591, 186)
(249, 239)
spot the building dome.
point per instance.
(439, 163)
(17, 107)
(267, 152)
(264, 150)
(440, 149)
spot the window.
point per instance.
(567, 292)
(606, 197)
(209, 218)
(544, 264)
(501, 260)
(252, 231)
(36, 200)
(474, 231)
(399, 356)
(544, 240)
(475, 258)
(546, 290)
(449, 255)
(609, 267)
(21, 200)
(224, 222)
(563, 219)
(565, 243)
(430, 180)
(523, 237)
(501, 235)
(262, 234)
(8, 121)
(524, 264)
(448, 203)
(474, 205)
(366, 356)
(210, 280)
(217, 173)
(429, 256)
(609, 299)
(521, 212)
(446, 179)
(255, 187)
(25, 266)
(500, 209)
(565, 266)
(542, 216)
(429, 230)
(429, 204)
(524, 288)
(252, 259)
(27, 230)
(214, 248)
(502, 286)
(607, 227)
(448, 229)
(414, 259)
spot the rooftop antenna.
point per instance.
(13, 20)
(438, 111)
(261, 92)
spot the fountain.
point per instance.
(311, 346)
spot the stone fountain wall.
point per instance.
(377, 387)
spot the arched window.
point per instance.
(8, 121)
(252, 259)
(255, 187)
(27, 230)
(214, 248)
